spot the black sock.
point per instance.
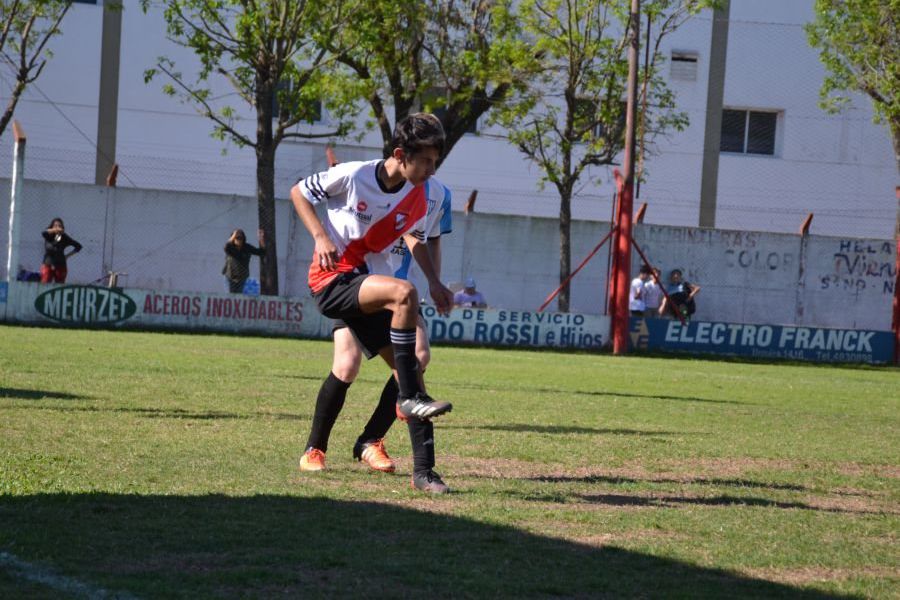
(328, 406)
(421, 436)
(404, 344)
(384, 415)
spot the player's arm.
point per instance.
(434, 251)
(694, 289)
(443, 297)
(326, 251)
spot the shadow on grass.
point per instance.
(599, 393)
(37, 394)
(560, 429)
(174, 413)
(264, 546)
(714, 481)
(545, 390)
(721, 500)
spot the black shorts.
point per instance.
(340, 301)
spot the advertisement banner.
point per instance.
(496, 327)
(763, 341)
(94, 306)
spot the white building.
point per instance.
(840, 167)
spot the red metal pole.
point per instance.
(623, 271)
(623, 239)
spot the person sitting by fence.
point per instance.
(681, 297)
(469, 297)
(237, 259)
(54, 267)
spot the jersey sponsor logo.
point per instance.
(400, 221)
(399, 248)
(360, 212)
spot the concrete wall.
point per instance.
(839, 166)
(174, 241)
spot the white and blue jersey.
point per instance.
(438, 221)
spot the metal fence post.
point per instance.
(15, 202)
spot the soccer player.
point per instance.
(369, 447)
(370, 206)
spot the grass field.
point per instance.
(155, 465)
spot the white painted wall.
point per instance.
(174, 241)
(839, 167)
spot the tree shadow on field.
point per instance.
(711, 481)
(560, 429)
(675, 501)
(176, 413)
(598, 393)
(37, 394)
(282, 546)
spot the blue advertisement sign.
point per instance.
(498, 327)
(763, 341)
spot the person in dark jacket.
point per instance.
(56, 240)
(237, 259)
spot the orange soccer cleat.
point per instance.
(373, 454)
(312, 460)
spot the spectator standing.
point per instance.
(237, 259)
(636, 303)
(54, 267)
(469, 297)
(653, 294)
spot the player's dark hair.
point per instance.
(417, 132)
(676, 271)
(645, 270)
(54, 221)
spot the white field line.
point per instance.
(60, 583)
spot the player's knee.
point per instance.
(424, 357)
(345, 370)
(405, 294)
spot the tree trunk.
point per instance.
(565, 246)
(265, 203)
(11, 105)
(265, 189)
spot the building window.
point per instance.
(748, 131)
(683, 66)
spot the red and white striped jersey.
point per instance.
(363, 216)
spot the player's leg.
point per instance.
(421, 437)
(367, 335)
(423, 348)
(332, 394)
(385, 414)
(379, 292)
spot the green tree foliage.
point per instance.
(859, 44)
(451, 57)
(27, 27)
(265, 51)
(571, 117)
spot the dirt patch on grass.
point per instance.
(807, 575)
